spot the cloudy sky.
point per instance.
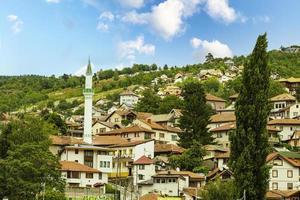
(57, 36)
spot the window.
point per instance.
(101, 163)
(100, 175)
(157, 180)
(277, 162)
(76, 151)
(141, 177)
(116, 119)
(289, 186)
(174, 137)
(275, 186)
(274, 173)
(141, 167)
(108, 164)
(291, 128)
(147, 136)
(295, 114)
(290, 173)
(89, 175)
(219, 135)
(163, 180)
(297, 106)
(102, 130)
(76, 160)
(161, 135)
(130, 151)
(73, 174)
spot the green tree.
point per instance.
(170, 102)
(148, 103)
(195, 116)
(298, 93)
(249, 143)
(209, 58)
(57, 121)
(219, 190)
(26, 162)
(212, 85)
(191, 159)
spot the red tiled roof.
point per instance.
(75, 166)
(144, 160)
(167, 148)
(224, 117)
(284, 122)
(210, 97)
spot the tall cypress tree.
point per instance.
(195, 116)
(249, 143)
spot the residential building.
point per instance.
(286, 127)
(143, 169)
(291, 84)
(215, 102)
(129, 98)
(284, 172)
(99, 127)
(295, 139)
(289, 112)
(218, 120)
(172, 90)
(282, 101)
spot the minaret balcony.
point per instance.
(88, 91)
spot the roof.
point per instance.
(210, 97)
(75, 166)
(223, 155)
(191, 191)
(161, 118)
(157, 126)
(223, 117)
(284, 122)
(89, 68)
(128, 93)
(182, 173)
(290, 80)
(130, 144)
(232, 126)
(283, 97)
(211, 147)
(234, 96)
(107, 140)
(65, 140)
(291, 157)
(144, 160)
(279, 194)
(131, 129)
(150, 196)
(107, 124)
(167, 148)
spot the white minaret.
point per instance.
(88, 104)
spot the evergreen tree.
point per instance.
(249, 143)
(149, 103)
(195, 116)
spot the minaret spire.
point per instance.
(88, 104)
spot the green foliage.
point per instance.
(57, 121)
(212, 85)
(249, 143)
(219, 190)
(191, 159)
(149, 102)
(26, 162)
(195, 116)
(170, 102)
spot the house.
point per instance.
(172, 90)
(291, 84)
(213, 150)
(283, 194)
(282, 101)
(163, 134)
(221, 134)
(96, 112)
(295, 139)
(291, 111)
(143, 169)
(163, 119)
(167, 150)
(218, 120)
(125, 154)
(286, 127)
(233, 98)
(129, 98)
(223, 174)
(132, 133)
(215, 102)
(99, 127)
(284, 172)
(119, 116)
(171, 183)
(178, 78)
(79, 175)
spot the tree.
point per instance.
(249, 143)
(212, 85)
(195, 116)
(298, 93)
(190, 159)
(170, 102)
(149, 102)
(57, 121)
(26, 162)
(219, 190)
(209, 57)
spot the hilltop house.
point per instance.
(291, 84)
(284, 172)
(215, 102)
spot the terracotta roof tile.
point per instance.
(210, 97)
(65, 140)
(144, 160)
(284, 122)
(131, 129)
(130, 144)
(182, 173)
(283, 97)
(168, 148)
(74, 166)
(224, 117)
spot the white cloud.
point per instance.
(102, 26)
(107, 15)
(166, 18)
(195, 42)
(132, 3)
(262, 19)
(216, 48)
(53, 1)
(17, 24)
(220, 9)
(129, 49)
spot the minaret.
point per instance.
(88, 104)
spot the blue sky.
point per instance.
(57, 36)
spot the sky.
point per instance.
(47, 37)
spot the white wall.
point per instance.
(82, 180)
(128, 100)
(147, 173)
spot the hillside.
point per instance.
(31, 91)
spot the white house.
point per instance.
(282, 101)
(129, 98)
(284, 172)
(286, 127)
(288, 112)
(143, 169)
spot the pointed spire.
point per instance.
(89, 68)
